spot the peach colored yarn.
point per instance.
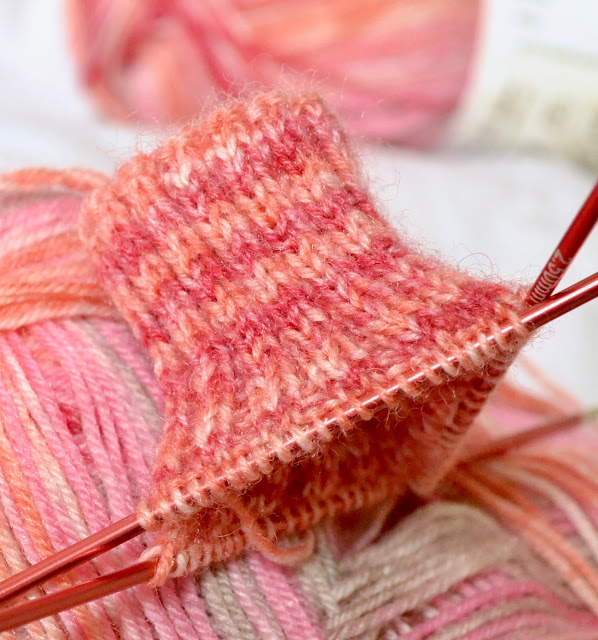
(395, 69)
(50, 275)
(248, 259)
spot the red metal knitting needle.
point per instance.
(539, 315)
(566, 250)
(75, 596)
(73, 556)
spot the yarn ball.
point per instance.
(394, 69)
(111, 291)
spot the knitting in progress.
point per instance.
(197, 341)
(249, 261)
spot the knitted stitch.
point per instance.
(250, 262)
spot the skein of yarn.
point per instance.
(394, 69)
(221, 258)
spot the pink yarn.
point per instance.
(395, 69)
(81, 412)
(500, 589)
(76, 445)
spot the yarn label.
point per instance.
(534, 81)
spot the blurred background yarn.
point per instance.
(395, 69)
(509, 73)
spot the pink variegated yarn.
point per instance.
(498, 548)
(395, 69)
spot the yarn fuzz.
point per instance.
(247, 257)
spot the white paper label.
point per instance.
(535, 79)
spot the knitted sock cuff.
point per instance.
(248, 258)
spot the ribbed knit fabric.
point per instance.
(250, 262)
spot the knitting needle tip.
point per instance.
(75, 596)
(567, 249)
(87, 549)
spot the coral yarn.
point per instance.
(247, 257)
(394, 69)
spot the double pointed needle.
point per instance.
(567, 249)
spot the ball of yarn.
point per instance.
(80, 416)
(394, 69)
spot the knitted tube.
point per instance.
(272, 298)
